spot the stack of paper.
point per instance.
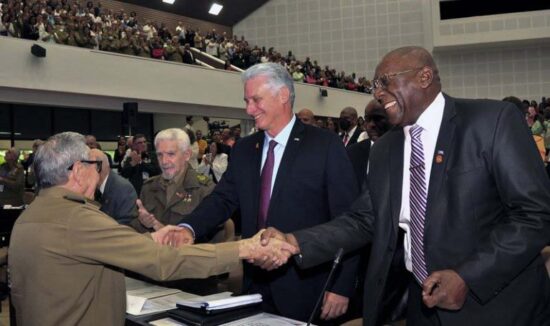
(216, 302)
(144, 298)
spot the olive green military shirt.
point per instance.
(65, 258)
(170, 202)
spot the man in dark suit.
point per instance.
(139, 165)
(377, 124)
(472, 240)
(289, 176)
(350, 131)
(116, 195)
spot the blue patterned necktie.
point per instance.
(418, 199)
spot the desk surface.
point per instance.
(258, 319)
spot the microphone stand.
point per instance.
(335, 263)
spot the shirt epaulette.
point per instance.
(203, 179)
(76, 199)
(148, 180)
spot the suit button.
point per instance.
(380, 280)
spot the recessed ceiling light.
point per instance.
(169, 1)
(215, 9)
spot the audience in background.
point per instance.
(120, 151)
(194, 148)
(307, 117)
(214, 162)
(203, 144)
(139, 165)
(12, 179)
(90, 26)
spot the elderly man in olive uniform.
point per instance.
(66, 255)
(165, 199)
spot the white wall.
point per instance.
(352, 35)
(75, 77)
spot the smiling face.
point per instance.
(411, 84)
(271, 109)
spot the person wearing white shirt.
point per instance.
(214, 163)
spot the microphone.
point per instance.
(335, 263)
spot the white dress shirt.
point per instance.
(430, 121)
(279, 150)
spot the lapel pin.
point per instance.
(296, 139)
(439, 157)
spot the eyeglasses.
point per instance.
(383, 81)
(98, 164)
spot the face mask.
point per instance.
(344, 124)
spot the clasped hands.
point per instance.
(266, 249)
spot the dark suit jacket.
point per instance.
(314, 183)
(119, 199)
(354, 137)
(488, 216)
(358, 154)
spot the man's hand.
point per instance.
(174, 236)
(135, 158)
(147, 219)
(444, 289)
(269, 256)
(334, 306)
(273, 233)
(162, 236)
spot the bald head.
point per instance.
(415, 57)
(406, 82)
(306, 116)
(372, 106)
(96, 154)
(348, 118)
(376, 120)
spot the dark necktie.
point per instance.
(418, 201)
(346, 139)
(98, 196)
(265, 187)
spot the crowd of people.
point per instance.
(450, 255)
(91, 26)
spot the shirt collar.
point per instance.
(284, 135)
(352, 131)
(430, 119)
(102, 187)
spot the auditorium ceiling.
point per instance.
(233, 10)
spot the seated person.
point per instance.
(66, 256)
(214, 163)
(12, 179)
(166, 198)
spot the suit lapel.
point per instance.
(396, 175)
(287, 161)
(443, 152)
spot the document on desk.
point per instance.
(220, 301)
(143, 298)
(265, 319)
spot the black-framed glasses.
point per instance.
(383, 81)
(98, 164)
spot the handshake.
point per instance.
(268, 249)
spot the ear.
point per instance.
(284, 94)
(187, 154)
(75, 173)
(426, 77)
